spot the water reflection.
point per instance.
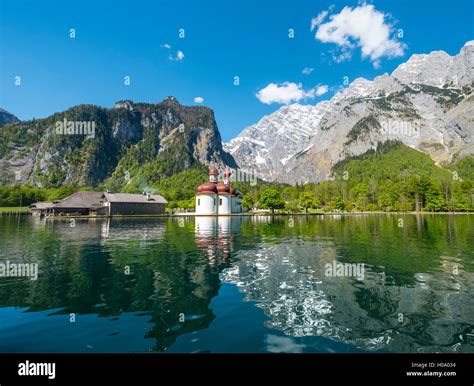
(215, 235)
(114, 267)
(146, 282)
(430, 311)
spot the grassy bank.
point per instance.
(13, 209)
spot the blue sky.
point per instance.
(223, 39)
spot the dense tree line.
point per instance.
(413, 194)
(391, 178)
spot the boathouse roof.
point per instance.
(42, 205)
(135, 198)
(83, 199)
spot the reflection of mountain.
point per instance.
(83, 270)
(288, 280)
(177, 267)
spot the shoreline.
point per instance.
(246, 214)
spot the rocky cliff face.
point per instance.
(426, 103)
(88, 144)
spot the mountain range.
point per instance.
(427, 103)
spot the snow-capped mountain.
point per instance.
(427, 103)
(266, 146)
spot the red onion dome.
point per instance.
(222, 188)
(232, 191)
(213, 171)
(208, 187)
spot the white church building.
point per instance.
(215, 197)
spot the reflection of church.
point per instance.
(218, 197)
(215, 235)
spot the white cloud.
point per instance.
(288, 92)
(315, 21)
(283, 93)
(307, 70)
(362, 26)
(198, 100)
(166, 45)
(321, 89)
(179, 56)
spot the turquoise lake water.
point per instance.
(239, 284)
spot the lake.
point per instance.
(355, 283)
